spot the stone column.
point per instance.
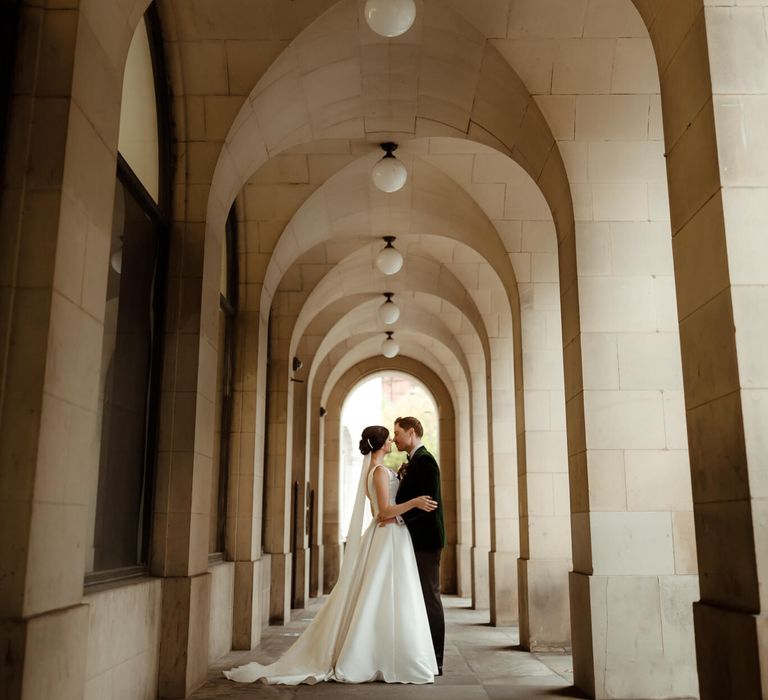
(481, 511)
(316, 476)
(278, 500)
(184, 468)
(504, 512)
(464, 490)
(55, 224)
(715, 130)
(545, 542)
(187, 415)
(244, 516)
(632, 583)
(300, 475)
(332, 547)
(634, 576)
(448, 480)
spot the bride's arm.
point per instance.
(381, 482)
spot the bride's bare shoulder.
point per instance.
(379, 467)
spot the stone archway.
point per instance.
(329, 474)
(711, 180)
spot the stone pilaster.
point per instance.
(184, 635)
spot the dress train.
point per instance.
(378, 631)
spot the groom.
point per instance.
(421, 477)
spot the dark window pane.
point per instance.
(127, 354)
(224, 388)
(214, 542)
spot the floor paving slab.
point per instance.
(482, 662)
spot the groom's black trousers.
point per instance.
(428, 564)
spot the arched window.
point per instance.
(133, 318)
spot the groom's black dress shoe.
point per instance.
(439, 670)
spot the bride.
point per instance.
(373, 626)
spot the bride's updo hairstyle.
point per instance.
(373, 438)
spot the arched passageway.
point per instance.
(583, 285)
(457, 506)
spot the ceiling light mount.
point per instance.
(389, 260)
(390, 347)
(389, 174)
(389, 148)
(389, 312)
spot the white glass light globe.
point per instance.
(390, 348)
(389, 260)
(389, 174)
(116, 260)
(390, 17)
(389, 312)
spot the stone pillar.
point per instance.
(55, 224)
(332, 549)
(300, 475)
(481, 511)
(448, 480)
(181, 525)
(244, 515)
(185, 463)
(715, 130)
(184, 634)
(464, 489)
(545, 556)
(316, 477)
(278, 500)
(503, 457)
(632, 583)
(279, 459)
(542, 460)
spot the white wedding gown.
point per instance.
(378, 631)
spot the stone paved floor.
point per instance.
(481, 663)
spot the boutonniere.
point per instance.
(402, 471)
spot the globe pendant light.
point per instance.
(389, 174)
(389, 312)
(390, 17)
(390, 348)
(389, 260)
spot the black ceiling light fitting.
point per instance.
(390, 259)
(389, 174)
(389, 312)
(390, 347)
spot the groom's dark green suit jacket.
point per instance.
(422, 478)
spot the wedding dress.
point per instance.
(373, 626)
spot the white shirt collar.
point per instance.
(410, 454)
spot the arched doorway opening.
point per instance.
(330, 527)
(379, 400)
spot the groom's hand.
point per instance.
(384, 523)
